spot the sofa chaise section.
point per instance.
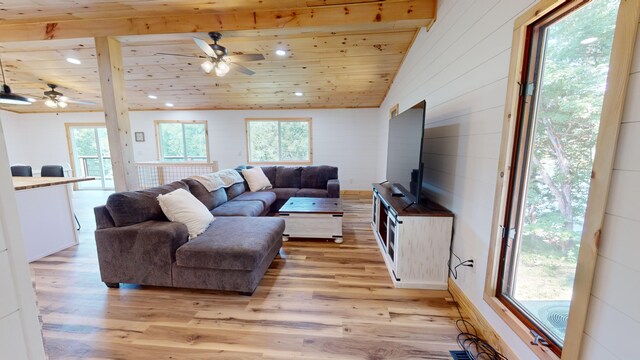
(230, 255)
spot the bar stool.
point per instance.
(56, 171)
(21, 170)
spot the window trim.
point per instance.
(279, 120)
(613, 105)
(159, 142)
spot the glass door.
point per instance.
(91, 156)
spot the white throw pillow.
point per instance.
(256, 179)
(181, 206)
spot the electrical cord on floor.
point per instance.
(469, 341)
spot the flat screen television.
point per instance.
(404, 152)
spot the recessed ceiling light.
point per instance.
(74, 61)
(298, 93)
(281, 52)
(168, 105)
(152, 97)
(31, 100)
(589, 40)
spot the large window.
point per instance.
(182, 141)
(279, 141)
(566, 63)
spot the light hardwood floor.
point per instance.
(319, 300)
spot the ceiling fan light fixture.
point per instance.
(62, 104)
(207, 66)
(50, 103)
(222, 68)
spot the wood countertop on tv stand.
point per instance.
(426, 207)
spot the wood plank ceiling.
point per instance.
(334, 67)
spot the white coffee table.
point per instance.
(319, 218)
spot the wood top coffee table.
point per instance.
(319, 218)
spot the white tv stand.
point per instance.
(414, 240)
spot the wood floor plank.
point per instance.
(318, 300)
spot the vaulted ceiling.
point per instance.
(335, 65)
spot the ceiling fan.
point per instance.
(55, 99)
(218, 60)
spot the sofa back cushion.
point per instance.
(211, 199)
(235, 190)
(316, 177)
(133, 207)
(270, 173)
(288, 177)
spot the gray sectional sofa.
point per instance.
(137, 244)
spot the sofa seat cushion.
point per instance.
(284, 193)
(312, 193)
(266, 197)
(239, 208)
(233, 243)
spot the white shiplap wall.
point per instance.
(613, 323)
(460, 67)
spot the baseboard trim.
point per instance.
(362, 193)
(485, 330)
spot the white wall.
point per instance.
(460, 67)
(21, 337)
(346, 138)
(614, 314)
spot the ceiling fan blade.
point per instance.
(80, 102)
(241, 69)
(189, 56)
(205, 47)
(245, 57)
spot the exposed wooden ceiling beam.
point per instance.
(406, 14)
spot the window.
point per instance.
(279, 141)
(564, 77)
(182, 141)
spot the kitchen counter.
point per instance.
(46, 214)
(24, 182)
